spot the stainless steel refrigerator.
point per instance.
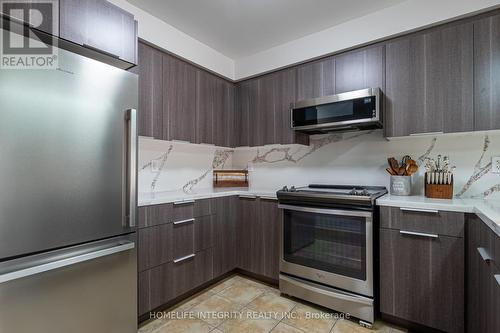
(68, 198)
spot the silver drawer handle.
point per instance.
(248, 196)
(183, 202)
(419, 234)
(497, 277)
(183, 221)
(484, 254)
(426, 133)
(419, 210)
(268, 198)
(184, 258)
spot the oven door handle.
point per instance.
(327, 211)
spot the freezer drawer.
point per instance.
(90, 288)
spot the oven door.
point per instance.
(329, 246)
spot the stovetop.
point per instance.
(329, 195)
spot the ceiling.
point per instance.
(240, 28)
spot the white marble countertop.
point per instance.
(147, 199)
(487, 210)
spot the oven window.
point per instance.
(331, 243)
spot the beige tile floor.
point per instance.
(238, 304)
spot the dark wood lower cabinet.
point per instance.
(258, 236)
(185, 252)
(270, 217)
(225, 245)
(422, 279)
(483, 288)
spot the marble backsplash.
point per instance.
(358, 158)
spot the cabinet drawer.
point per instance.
(423, 221)
(192, 272)
(154, 246)
(149, 216)
(155, 287)
(183, 239)
(188, 209)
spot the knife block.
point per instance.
(439, 191)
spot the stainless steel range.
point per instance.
(327, 246)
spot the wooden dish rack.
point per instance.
(230, 178)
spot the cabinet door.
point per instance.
(205, 106)
(360, 69)
(225, 247)
(100, 25)
(487, 73)
(249, 235)
(316, 79)
(224, 121)
(150, 117)
(429, 80)
(247, 114)
(179, 99)
(285, 82)
(422, 279)
(270, 222)
(483, 289)
(264, 132)
(73, 20)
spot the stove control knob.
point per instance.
(293, 189)
(284, 189)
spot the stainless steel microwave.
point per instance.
(354, 110)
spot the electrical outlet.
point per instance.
(495, 164)
(155, 166)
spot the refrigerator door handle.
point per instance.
(33, 268)
(131, 168)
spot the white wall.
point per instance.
(406, 16)
(175, 41)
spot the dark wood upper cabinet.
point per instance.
(205, 106)
(316, 79)
(214, 110)
(100, 25)
(224, 115)
(263, 110)
(265, 120)
(285, 82)
(487, 73)
(360, 69)
(179, 99)
(429, 81)
(150, 114)
(247, 101)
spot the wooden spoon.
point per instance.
(393, 163)
(391, 172)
